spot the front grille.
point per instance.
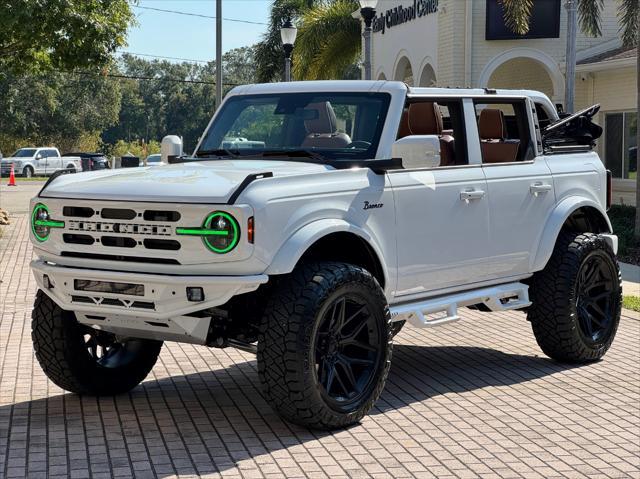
(106, 228)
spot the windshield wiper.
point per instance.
(216, 152)
(296, 154)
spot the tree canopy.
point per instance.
(61, 34)
(134, 100)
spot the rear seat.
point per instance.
(496, 148)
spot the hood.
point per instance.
(195, 182)
(13, 159)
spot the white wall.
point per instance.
(416, 39)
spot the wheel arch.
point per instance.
(330, 240)
(574, 214)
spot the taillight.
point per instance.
(609, 189)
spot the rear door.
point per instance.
(519, 185)
(54, 162)
(442, 212)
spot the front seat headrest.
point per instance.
(325, 122)
(425, 119)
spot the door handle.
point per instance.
(538, 188)
(471, 195)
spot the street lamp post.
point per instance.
(368, 12)
(570, 57)
(288, 33)
(218, 53)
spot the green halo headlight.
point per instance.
(41, 222)
(220, 232)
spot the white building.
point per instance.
(465, 43)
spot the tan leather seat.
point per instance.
(495, 147)
(425, 118)
(322, 131)
(404, 130)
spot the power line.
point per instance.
(189, 14)
(146, 78)
(164, 57)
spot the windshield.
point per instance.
(154, 158)
(333, 125)
(25, 153)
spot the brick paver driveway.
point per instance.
(476, 398)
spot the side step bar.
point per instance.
(426, 313)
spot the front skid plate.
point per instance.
(164, 296)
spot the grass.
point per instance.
(33, 178)
(623, 219)
(631, 302)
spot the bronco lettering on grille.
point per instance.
(124, 228)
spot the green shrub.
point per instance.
(623, 220)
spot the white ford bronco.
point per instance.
(347, 209)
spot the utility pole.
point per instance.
(570, 58)
(218, 53)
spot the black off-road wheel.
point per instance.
(84, 360)
(576, 299)
(27, 172)
(325, 345)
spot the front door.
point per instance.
(442, 218)
(40, 163)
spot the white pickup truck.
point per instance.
(43, 161)
(362, 206)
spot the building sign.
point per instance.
(400, 14)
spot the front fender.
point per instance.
(299, 242)
(558, 217)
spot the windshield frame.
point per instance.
(331, 155)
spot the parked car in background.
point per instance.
(91, 161)
(45, 161)
(154, 160)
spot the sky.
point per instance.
(192, 37)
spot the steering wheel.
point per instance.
(359, 144)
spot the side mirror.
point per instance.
(417, 151)
(171, 146)
(39, 156)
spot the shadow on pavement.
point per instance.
(209, 421)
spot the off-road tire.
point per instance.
(58, 340)
(27, 172)
(554, 293)
(286, 352)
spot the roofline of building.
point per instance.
(618, 63)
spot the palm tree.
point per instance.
(517, 14)
(269, 53)
(328, 42)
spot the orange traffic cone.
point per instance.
(12, 177)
